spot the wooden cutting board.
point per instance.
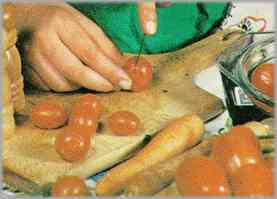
(30, 153)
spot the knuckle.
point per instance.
(59, 13)
(61, 16)
(89, 53)
(55, 16)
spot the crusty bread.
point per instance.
(10, 38)
(8, 124)
(11, 74)
(8, 109)
(13, 57)
(9, 30)
(15, 74)
(30, 152)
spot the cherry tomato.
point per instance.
(84, 120)
(269, 162)
(140, 73)
(263, 78)
(123, 123)
(48, 115)
(237, 148)
(69, 186)
(200, 176)
(71, 145)
(253, 180)
(91, 103)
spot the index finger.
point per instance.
(148, 17)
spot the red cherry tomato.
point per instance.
(48, 115)
(71, 145)
(123, 123)
(263, 78)
(201, 176)
(269, 162)
(91, 103)
(69, 186)
(84, 120)
(140, 73)
(237, 148)
(253, 180)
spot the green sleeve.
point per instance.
(178, 25)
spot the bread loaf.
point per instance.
(14, 71)
(13, 98)
(7, 109)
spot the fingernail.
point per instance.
(125, 84)
(151, 27)
(107, 87)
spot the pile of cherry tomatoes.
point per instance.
(236, 167)
(80, 126)
(73, 142)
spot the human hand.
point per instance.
(68, 51)
(148, 16)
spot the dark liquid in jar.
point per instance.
(240, 108)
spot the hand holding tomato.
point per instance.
(140, 72)
(67, 50)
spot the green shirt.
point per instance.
(178, 25)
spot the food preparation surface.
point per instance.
(173, 94)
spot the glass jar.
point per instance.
(244, 102)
